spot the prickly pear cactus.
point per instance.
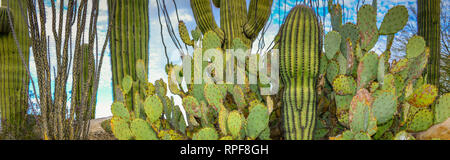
(392, 98)
(442, 109)
(146, 121)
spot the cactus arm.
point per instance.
(233, 15)
(184, 34)
(204, 17)
(299, 57)
(258, 14)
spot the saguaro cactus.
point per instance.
(13, 75)
(299, 66)
(235, 20)
(129, 41)
(428, 20)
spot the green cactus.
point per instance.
(361, 117)
(384, 106)
(332, 43)
(184, 34)
(192, 106)
(343, 64)
(382, 129)
(442, 109)
(142, 130)
(336, 15)
(344, 85)
(374, 86)
(257, 121)
(367, 69)
(423, 96)
(213, 95)
(299, 71)
(420, 121)
(118, 109)
(14, 80)
(121, 128)
(323, 64)
(399, 66)
(367, 22)
(211, 41)
(196, 34)
(222, 121)
(129, 43)
(127, 83)
(153, 108)
(239, 27)
(394, 21)
(349, 31)
(332, 71)
(235, 123)
(415, 47)
(419, 64)
(206, 134)
(429, 27)
(399, 97)
(239, 97)
(235, 20)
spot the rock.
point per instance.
(96, 132)
(440, 131)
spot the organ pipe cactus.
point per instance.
(129, 43)
(299, 66)
(14, 79)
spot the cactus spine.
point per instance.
(129, 41)
(13, 78)
(299, 66)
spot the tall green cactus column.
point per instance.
(14, 80)
(428, 20)
(299, 66)
(129, 40)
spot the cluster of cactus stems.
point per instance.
(13, 78)
(235, 20)
(376, 99)
(129, 42)
(348, 86)
(157, 118)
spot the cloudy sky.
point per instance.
(157, 59)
